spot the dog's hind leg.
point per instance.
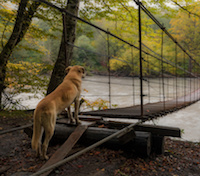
(38, 152)
(48, 136)
(70, 115)
(49, 130)
(37, 133)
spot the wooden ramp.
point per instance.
(62, 152)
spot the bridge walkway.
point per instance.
(150, 110)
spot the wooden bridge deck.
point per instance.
(150, 110)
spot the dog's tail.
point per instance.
(37, 131)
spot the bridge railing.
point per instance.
(136, 70)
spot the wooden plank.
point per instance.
(62, 152)
(81, 117)
(154, 129)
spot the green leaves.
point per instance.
(26, 77)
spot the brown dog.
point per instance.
(48, 108)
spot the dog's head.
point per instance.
(78, 69)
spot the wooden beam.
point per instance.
(139, 141)
(15, 129)
(160, 130)
(142, 143)
(154, 129)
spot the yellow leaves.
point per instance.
(25, 77)
(97, 104)
(18, 66)
(85, 90)
(32, 68)
(101, 126)
(184, 26)
(115, 64)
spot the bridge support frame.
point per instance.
(140, 56)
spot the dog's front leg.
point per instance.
(70, 115)
(77, 110)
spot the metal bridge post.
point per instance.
(184, 78)
(140, 52)
(163, 84)
(168, 82)
(149, 90)
(133, 70)
(190, 82)
(108, 45)
(195, 85)
(176, 74)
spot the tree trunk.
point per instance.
(22, 24)
(60, 65)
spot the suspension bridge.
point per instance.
(168, 78)
(159, 82)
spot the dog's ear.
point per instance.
(67, 69)
(82, 69)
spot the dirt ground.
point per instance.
(17, 158)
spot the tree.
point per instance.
(60, 65)
(25, 14)
(21, 25)
(81, 55)
(186, 30)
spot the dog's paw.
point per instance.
(72, 120)
(38, 155)
(78, 122)
(45, 157)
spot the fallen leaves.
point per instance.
(102, 170)
(101, 126)
(79, 166)
(177, 159)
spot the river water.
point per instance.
(124, 94)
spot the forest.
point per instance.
(30, 54)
